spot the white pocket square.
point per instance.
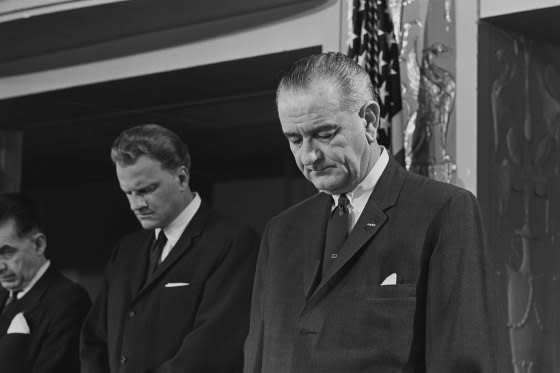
(176, 284)
(390, 280)
(18, 325)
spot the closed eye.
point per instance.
(326, 135)
(142, 191)
(7, 251)
(149, 189)
(294, 139)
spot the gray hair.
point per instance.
(353, 80)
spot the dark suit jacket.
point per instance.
(54, 308)
(435, 319)
(196, 328)
(13, 352)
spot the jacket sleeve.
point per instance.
(459, 334)
(253, 352)
(222, 320)
(59, 350)
(94, 356)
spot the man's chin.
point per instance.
(148, 223)
(10, 286)
(326, 185)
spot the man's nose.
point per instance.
(3, 266)
(137, 202)
(310, 154)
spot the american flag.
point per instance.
(373, 45)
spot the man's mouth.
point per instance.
(320, 170)
(8, 278)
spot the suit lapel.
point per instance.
(29, 300)
(193, 229)
(370, 221)
(139, 266)
(6, 315)
(3, 297)
(315, 226)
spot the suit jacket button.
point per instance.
(131, 314)
(123, 359)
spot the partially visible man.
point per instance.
(383, 270)
(176, 295)
(41, 310)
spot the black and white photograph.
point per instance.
(280, 186)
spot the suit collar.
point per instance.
(384, 196)
(176, 228)
(315, 218)
(389, 187)
(29, 301)
(40, 272)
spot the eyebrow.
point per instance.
(314, 130)
(141, 188)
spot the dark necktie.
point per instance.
(155, 252)
(337, 232)
(12, 298)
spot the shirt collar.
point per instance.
(366, 186)
(175, 229)
(34, 280)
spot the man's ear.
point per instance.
(40, 241)
(370, 112)
(183, 175)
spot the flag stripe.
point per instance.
(373, 45)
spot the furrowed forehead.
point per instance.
(315, 99)
(140, 174)
(8, 230)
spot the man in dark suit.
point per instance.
(176, 295)
(41, 310)
(383, 270)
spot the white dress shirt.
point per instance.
(176, 228)
(360, 195)
(34, 280)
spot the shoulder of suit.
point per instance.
(131, 242)
(62, 284)
(226, 226)
(61, 295)
(139, 235)
(295, 211)
(417, 186)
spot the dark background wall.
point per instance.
(226, 114)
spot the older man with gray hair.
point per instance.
(41, 310)
(382, 270)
